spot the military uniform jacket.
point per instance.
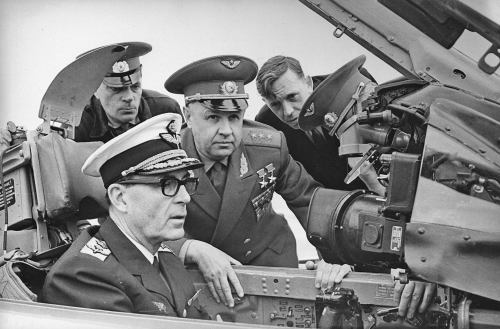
(242, 223)
(104, 270)
(321, 162)
(94, 124)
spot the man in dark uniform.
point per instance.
(284, 88)
(245, 163)
(120, 102)
(123, 265)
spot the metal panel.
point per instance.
(404, 47)
(459, 258)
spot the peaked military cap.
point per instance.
(332, 95)
(216, 82)
(150, 148)
(128, 69)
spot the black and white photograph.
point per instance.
(250, 163)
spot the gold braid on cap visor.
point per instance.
(154, 164)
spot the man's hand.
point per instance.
(217, 271)
(413, 295)
(328, 274)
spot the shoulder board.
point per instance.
(263, 137)
(165, 248)
(97, 248)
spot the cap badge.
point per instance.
(331, 119)
(228, 88)
(310, 110)
(171, 137)
(120, 67)
(243, 165)
(230, 63)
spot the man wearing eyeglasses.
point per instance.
(123, 265)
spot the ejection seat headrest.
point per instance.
(67, 191)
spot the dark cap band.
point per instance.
(216, 82)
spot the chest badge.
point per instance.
(192, 299)
(267, 170)
(262, 202)
(161, 307)
(262, 174)
(270, 169)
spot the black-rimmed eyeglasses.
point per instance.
(169, 186)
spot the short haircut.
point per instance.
(272, 70)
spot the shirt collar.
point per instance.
(113, 124)
(209, 163)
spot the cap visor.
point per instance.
(236, 104)
(123, 81)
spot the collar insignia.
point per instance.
(230, 63)
(165, 247)
(243, 165)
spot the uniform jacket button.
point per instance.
(246, 241)
(248, 253)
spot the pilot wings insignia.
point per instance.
(230, 63)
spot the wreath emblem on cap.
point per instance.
(120, 67)
(228, 88)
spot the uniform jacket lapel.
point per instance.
(133, 260)
(206, 195)
(178, 294)
(239, 185)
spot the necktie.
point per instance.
(156, 264)
(218, 175)
(318, 139)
